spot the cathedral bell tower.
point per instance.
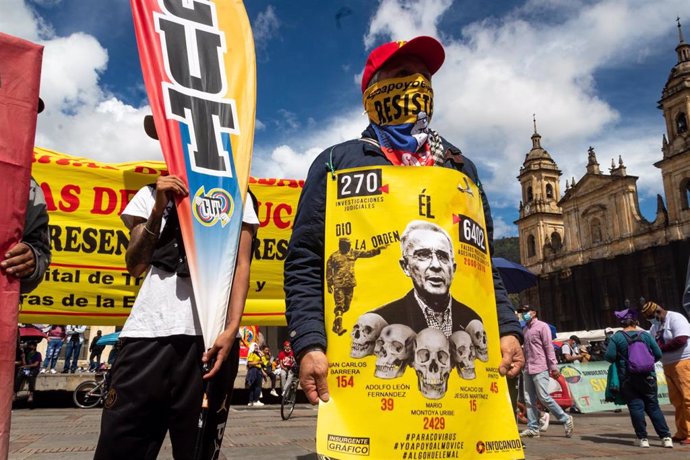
(675, 165)
(540, 226)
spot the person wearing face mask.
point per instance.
(540, 364)
(671, 331)
(398, 99)
(638, 385)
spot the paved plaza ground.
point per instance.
(259, 433)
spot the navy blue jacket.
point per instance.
(304, 263)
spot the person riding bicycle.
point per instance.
(286, 361)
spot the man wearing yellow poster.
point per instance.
(398, 98)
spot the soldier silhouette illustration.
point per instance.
(340, 277)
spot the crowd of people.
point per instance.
(29, 362)
(632, 352)
(262, 366)
(71, 337)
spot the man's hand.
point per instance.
(20, 261)
(313, 370)
(220, 350)
(166, 189)
(513, 360)
(554, 373)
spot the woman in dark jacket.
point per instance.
(639, 390)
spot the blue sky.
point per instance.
(592, 71)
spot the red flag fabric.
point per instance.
(20, 76)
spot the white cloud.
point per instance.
(19, 20)
(109, 131)
(293, 161)
(265, 26)
(71, 69)
(403, 19)
(503, 228)
(285, 162)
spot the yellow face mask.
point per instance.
(397, 101)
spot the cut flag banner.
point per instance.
(199, 69)
(20, 77)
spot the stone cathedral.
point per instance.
(590, 246)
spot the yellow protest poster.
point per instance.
(413, 344)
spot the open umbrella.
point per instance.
(30, 333)
(516, 278)
(109, 339)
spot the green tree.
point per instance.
(508, 248)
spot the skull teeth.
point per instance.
(387, 367)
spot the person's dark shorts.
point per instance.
(156, 386)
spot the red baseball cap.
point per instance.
(428, 49)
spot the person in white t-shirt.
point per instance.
(157, 380)
(671, 331)
(75, 339)
(571, 350)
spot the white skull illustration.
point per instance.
(475, 329)
(364, 334)
(462, 351)
(432, 362)
(393, 351)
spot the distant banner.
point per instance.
(587, 385)
(413, 342)
(248, 336)
(198, 63)
(87, 282)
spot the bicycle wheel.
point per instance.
(287, 403)
(88, 394)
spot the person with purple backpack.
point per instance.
(634, 351)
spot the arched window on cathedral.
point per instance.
(549, 191)
(685, 194)
(681, 123)
(531, 246)
(595, 230)
(529, 194)
(556, 242)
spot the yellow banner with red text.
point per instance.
(87, 281)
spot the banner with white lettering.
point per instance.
(413, 344)
(199, 68)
